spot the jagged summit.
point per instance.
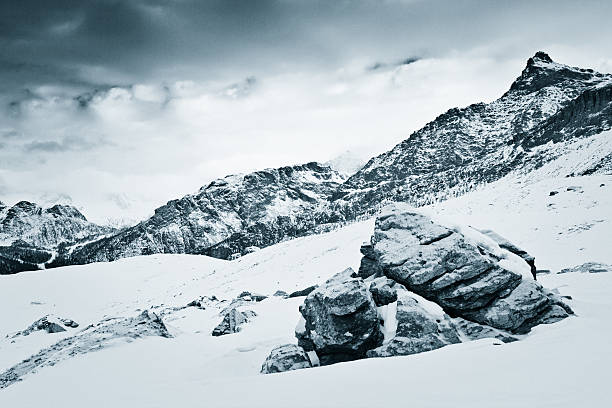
(541, 56)
(541, 71)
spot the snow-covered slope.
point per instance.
(559, 365)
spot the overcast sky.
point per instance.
(119, 106)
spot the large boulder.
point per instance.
(286, 358)
(340, 320)
(463, 271)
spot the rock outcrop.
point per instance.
(340, 320)
(231, 216)
(438, 286)
(232, 322)
(95, 337)
(468, 276)
(285, 358)
(588, 267)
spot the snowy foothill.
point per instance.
(560, 365)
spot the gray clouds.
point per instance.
(147, 100)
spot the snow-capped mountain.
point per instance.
(226, 217)
(30, 234)
(548, 103)
(549, 106)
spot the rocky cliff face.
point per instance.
(227, 216)
(45, 227)
(29, 234)
(483, 142)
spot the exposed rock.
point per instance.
(50, 324)
(303, 292)
(281, 293)
(383, 291)
(466, 277)
(251, 296)
(588, 267)
(232, 215)
(340, 321)
(369, 266)
(404, 346)
(553, 193)
(93, 338)
(232, 322)
(286, 358)
(509, 246)
(46, 228)
(475, 331)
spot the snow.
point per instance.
(561, 365)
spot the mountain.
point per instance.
(145, 323)
(347, 163)
(227, 216)
(30, 234)
(462, 148)
(547, 108)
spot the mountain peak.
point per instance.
(539, 56)
(541, 71)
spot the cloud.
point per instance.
(147, 100)
(377, 66)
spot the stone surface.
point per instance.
(509, 246)
(383, 291)
(588, 267)
(460, 274)
(286, 357)
(232, 322)
(340, 320)
(303, 292)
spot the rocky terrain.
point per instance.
(427, 286)
(463, 148)
(30, 235)
(226, 217)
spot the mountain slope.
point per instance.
(462, 148)
(259, 208)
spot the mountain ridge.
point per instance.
(547, 104)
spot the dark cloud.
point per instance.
(121, 42)
(385, 65)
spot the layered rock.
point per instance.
(468, 276)
(588, 267)
(340, 320)
(286, 358)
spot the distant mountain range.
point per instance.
(546, 108)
